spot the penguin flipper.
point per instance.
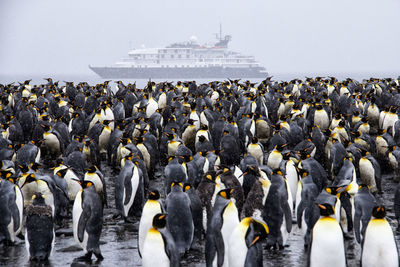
(83, 219)
(346, 204)
(300, 210)
(288, 216)
(357, 218)
(15, 216)
(128, 188)
(219, 243)
(170, 249)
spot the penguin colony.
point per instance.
(241, 163)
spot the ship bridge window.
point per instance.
(162, 56)
(172, 56)
(187, 56)
(179, 56)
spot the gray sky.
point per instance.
(292, 36)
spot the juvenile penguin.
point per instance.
(223, 221)
(39, 235)
(152, 207)
(159, 247)
(379, 246)
(327, 245)
(87, 220)
(180, 220)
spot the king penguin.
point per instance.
(39, 235)
(223, 221)
(379, 246)
(152, 207)
(244, 246)
(11, 210)
(180, 220)
(87, 220)
(129, 189)
(327, 245)
(159, 247)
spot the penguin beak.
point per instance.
(255, 240)
(322, 206)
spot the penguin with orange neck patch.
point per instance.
(379, 246)
(87, 220)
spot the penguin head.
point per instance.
(46, 127)
(38, 199)
(29, 179)
(86, 184)
(154, 195)
(6, 174)
(260, 229)
(277, 172)
(139, 140)
(204, 127)
(202, 139)
(326, 209)
(92, 169)
(226, 193)
(303, 173)
(210, 176)
(191, 121)
(379, 212)
(254, 140)
(280, 147)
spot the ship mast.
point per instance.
(220, 31)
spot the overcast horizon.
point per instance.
(319, 37)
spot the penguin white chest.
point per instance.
(145, 153)
(230, 221)
(95, 179)
(327, 247)
(51, 142)
(104, 138)
(150, 209)
(274, 159)
(321, 119)
(256, 151)
(379, 245)
(134, 185)
(152, 106)
(154, 250)
(237, 246)
(367, 173)
(76, 215)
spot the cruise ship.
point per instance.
(187, 60)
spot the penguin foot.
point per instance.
(86, 258)
(99, 256)
(116, 216)
(129, 220)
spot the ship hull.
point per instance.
(179, 73)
